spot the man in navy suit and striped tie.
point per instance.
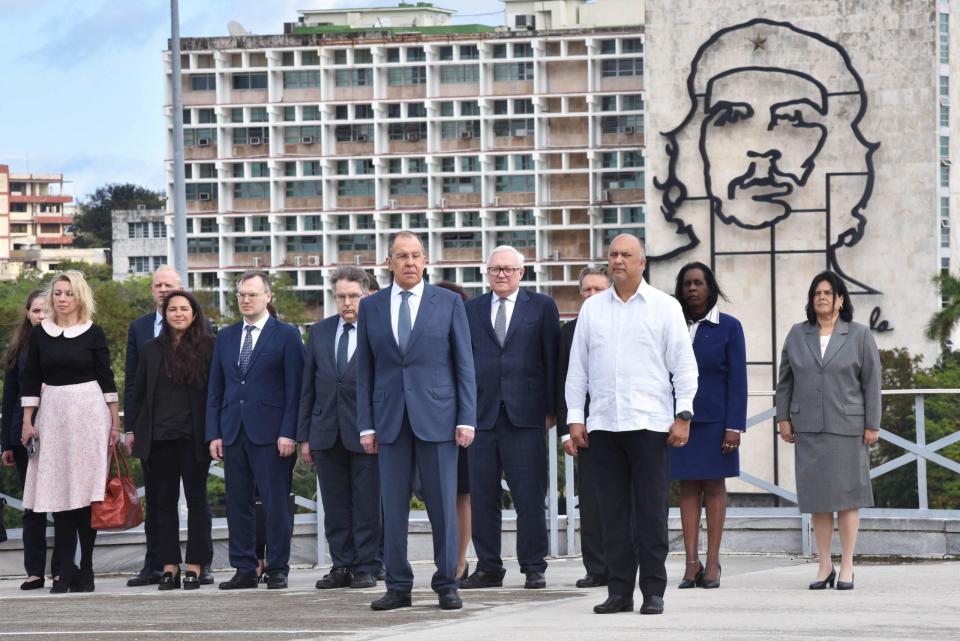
(416, 403)
(252, 402)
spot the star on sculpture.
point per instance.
(759, 43)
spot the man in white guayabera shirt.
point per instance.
(631, 352)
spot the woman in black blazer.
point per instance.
(171, 390)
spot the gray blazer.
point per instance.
(839, 393)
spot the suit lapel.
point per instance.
(231, 335)
(519, 312)
(424, 313)
(328, 338)
(486, 309)
(837, 340)
(265, 335)
(813, 342)
(382, 305)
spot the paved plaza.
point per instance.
(761, 597)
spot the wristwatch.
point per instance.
(685, 415)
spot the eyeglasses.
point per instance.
(342, 298)
(251, 296)
(503, 271)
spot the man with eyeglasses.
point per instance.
(416, 403)
(327, 431)
(252, 402)
(515, 340)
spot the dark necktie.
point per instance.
(247, 348)
(404, 325)
(342, 346)
(500, 323)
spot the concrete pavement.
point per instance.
(761, 597)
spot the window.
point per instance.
(203, 137)
(450, 74)
(944, 38)
(501, 163)
(393, 54)
(416, 110)
(303, 189)
(461, 185)
(462, 241)
(237, 171)
(304, 244)
(138, 230)
(252, 245)
(608, 103)
(208, 279)
(239, 224)
(522, 50)
(525, 217)
(395, 221)
(608, 160)
(944, 176)
(395, 166)
(305, 135)
(313, 223)
(259, 170)
(311, 112)
(354, 188)
(243, 81)
(944, 86)
(499, 51)
(289, 114)
(301, 79)
(523, 106)
(287, 59)
(622, 180)
(523, 162)
(469, 52)
(341, 112)
(632, 45)
(514, 183)
(353, 77)
(362, 57)
(353, 133)
(203, 246)
(356, 242)
(502, 219)
(944, 146)
(508, 72)
(206, 170)
(418, 221)
(469, 108)
(258, 114)
(446, 109)
(622, 67)
(445, 53)
(251, 135)
(362, 112)
(517, 239)
(416, 165)
(627, 125)
(416, 54)
(411, 131)
(203, 82)
(944, 116)
(633, 102)
(363, 166)
(310, 58)
(513, 127)
(340, 57)
(406, 76)
(633, 215)
(608, 46)
(201, 191)
(206, 116)
(462, 129)
(208, 225)
(501, 107)
(632, 159)
(408, 186)
(145, 264)
(242, 191)
(945, 207)
(236, 114)
(394, 110)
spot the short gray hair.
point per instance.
(404, 234)
(506, 248)
(351, 274)
(595, 270)
(256, 273)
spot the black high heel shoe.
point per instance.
(845, 585)
(829, 581)
(713, 584)
(169, 581)
(695, 582)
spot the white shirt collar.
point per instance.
(512, 297)
(259, 324)
(158, 318)
(416, 290)
(643, 291)
(713, 317)
(342, 322)
(52, 329)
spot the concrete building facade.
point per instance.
(139, 241)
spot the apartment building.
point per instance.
(35, 215)
(309, 149)
(139, 241)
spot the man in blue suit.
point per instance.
(327, 431)
(252, 403)
(416, 403)
(146, 328)
(515, 334)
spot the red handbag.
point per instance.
(120, 508)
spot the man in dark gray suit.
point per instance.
(327, 431)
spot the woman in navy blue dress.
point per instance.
(719, 416)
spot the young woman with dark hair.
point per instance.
(171, 392)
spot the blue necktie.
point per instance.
(247, 348)
(403, 322)
(342, 359)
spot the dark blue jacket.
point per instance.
(11, 429)
(140, 331)
(722, 365)
(522, 373)
(433, 381)
(264, 399)
(328, 402)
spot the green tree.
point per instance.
(93, 226)
(943, 322)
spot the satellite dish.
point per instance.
(236, 29)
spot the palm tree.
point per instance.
(942, 324)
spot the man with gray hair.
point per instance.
(515, 335)
(327, 431)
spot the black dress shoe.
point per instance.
(277, 581)
(381, 575)
(240, 581)
(362, 580)
(337, 578)
(614, 604)
(652, 605)
(392, 600)
(35, 584)
(449, 599)
(206, 576)
(191, 581)
(144, 577)
(481, 579)
(169, 581)
(592, 581)
(535, 581)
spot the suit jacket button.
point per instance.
(243, 382)
(241, 401)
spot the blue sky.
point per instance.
(83, 79)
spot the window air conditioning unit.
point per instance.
(257, 261)
(391, 204)
(527, 22)
(361, 138)
(203, 142)
(412, 136)
(613, 185)
(466, 134)
(629, 131)
(945, 223)
(605, 195)
(306, 140)
(255, 141)
(298, 261)
(945, 101)
(520, 133)
(313, 261)
(203, 195)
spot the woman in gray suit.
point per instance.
(828, 404)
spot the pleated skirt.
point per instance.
(833, 472)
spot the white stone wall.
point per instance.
(892, 46)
